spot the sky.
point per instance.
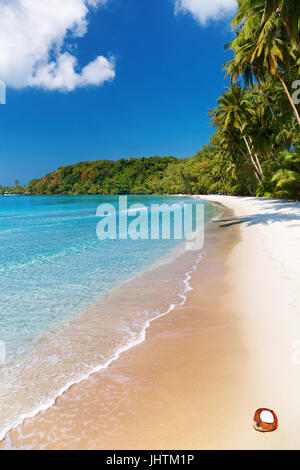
(107, 79)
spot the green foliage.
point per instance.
(287, 184)
(133, 176)
(17, 190)
(154, 175)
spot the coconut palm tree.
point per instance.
(233, 112)
(288, 13)
(242, 66)
(265, 39)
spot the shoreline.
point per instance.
(99, 358)
(184, 265)
(204, 369)
(140, 339)
(158, 323)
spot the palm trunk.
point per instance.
(257, 176)
(257, 159)
(245, 154)
(288, 95)
(268, 101)
(256, 169)
(288, 29)
(259, 166)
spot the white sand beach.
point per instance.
(265, 294)
(203, 370)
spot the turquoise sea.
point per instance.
(64, 310)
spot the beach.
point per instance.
(150, 227)
(203, 369)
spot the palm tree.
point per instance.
(242, 66)
(288, 12)
(266, 39)
(232, 113)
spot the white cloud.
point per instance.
(34, 36)
(205, 10)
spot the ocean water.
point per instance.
(71, 303)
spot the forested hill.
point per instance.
(206, 172)
(153, 175)
(133, 176)
(201, 173)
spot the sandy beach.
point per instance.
(203, 370)
(264, 279)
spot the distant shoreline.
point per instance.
(258, 198)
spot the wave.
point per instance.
(135, 340)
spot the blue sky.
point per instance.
(148, 94)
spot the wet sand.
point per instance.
(201, 373)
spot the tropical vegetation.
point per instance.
(16, 189)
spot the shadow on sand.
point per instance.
(276, 211)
